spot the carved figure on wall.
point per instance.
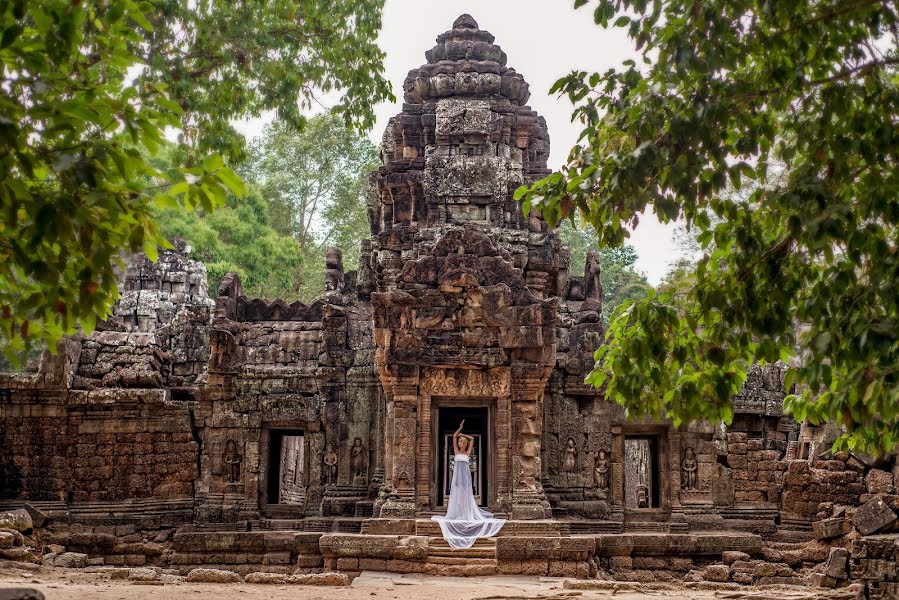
(569, 462)
(642, 496)
(357, 461)
(232, 459)
(591, 277)
(333, 270)
(690, 468)
(601, 470)
(330, 465)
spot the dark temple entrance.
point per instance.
(641, 472)
(286, 480)
(477, 426)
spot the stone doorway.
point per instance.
(642, 483)
(286, 476)
(478, 424)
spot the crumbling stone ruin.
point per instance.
(270, 439)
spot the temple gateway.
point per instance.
(197, 428)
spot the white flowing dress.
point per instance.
(465, 521)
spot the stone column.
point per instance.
(528, 498)
(616, 485)
(399, 449)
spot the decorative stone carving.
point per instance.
(333, 270)
(569, 463)
(601, 471)
(593, 287)
(358, 462)
(689, 470)
(331, 459)
(231, 458)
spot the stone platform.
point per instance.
(542, 547)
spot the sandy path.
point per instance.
(370, 586)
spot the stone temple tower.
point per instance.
(464, 287)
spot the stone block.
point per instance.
(144, 574)
(372, 564)
(767, 569)
(411, 548)
(347, 545)
(729, 557)
(837, 565)
(7, 540)
(17, 519)
(276, 558)
(18, 553)
(212, 576)
(70, 560)
(266, 578)
(324, 579)
(829, 528)
(279, 541)
(348, 564)
(874, 569)
(719, 573)
(879, 482)
(310, 561)
(873, 516)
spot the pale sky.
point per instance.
(543, 40)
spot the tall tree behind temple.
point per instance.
(313, 182)
(86, 83)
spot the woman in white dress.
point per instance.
(465, 521)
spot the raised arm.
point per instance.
(456, 437)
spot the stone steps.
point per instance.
(482, 549)
(510, 529)
(466, 569)
(460, 560)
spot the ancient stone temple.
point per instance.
(321, 432)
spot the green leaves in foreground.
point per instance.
(806, 259)
(75, 192)
(88, 90)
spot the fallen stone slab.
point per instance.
(266, 578)
(68, 560)
(837, 565)
(144, 574)
(18, 519)
(335, 579)
(873, 516)
(212, 576)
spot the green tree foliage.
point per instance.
(620, 280)
(240, 238)
(86, 83)
(313, 182)
(808, 260)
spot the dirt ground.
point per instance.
(69, 585)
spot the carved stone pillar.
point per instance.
(528, 499)
(399, 448)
